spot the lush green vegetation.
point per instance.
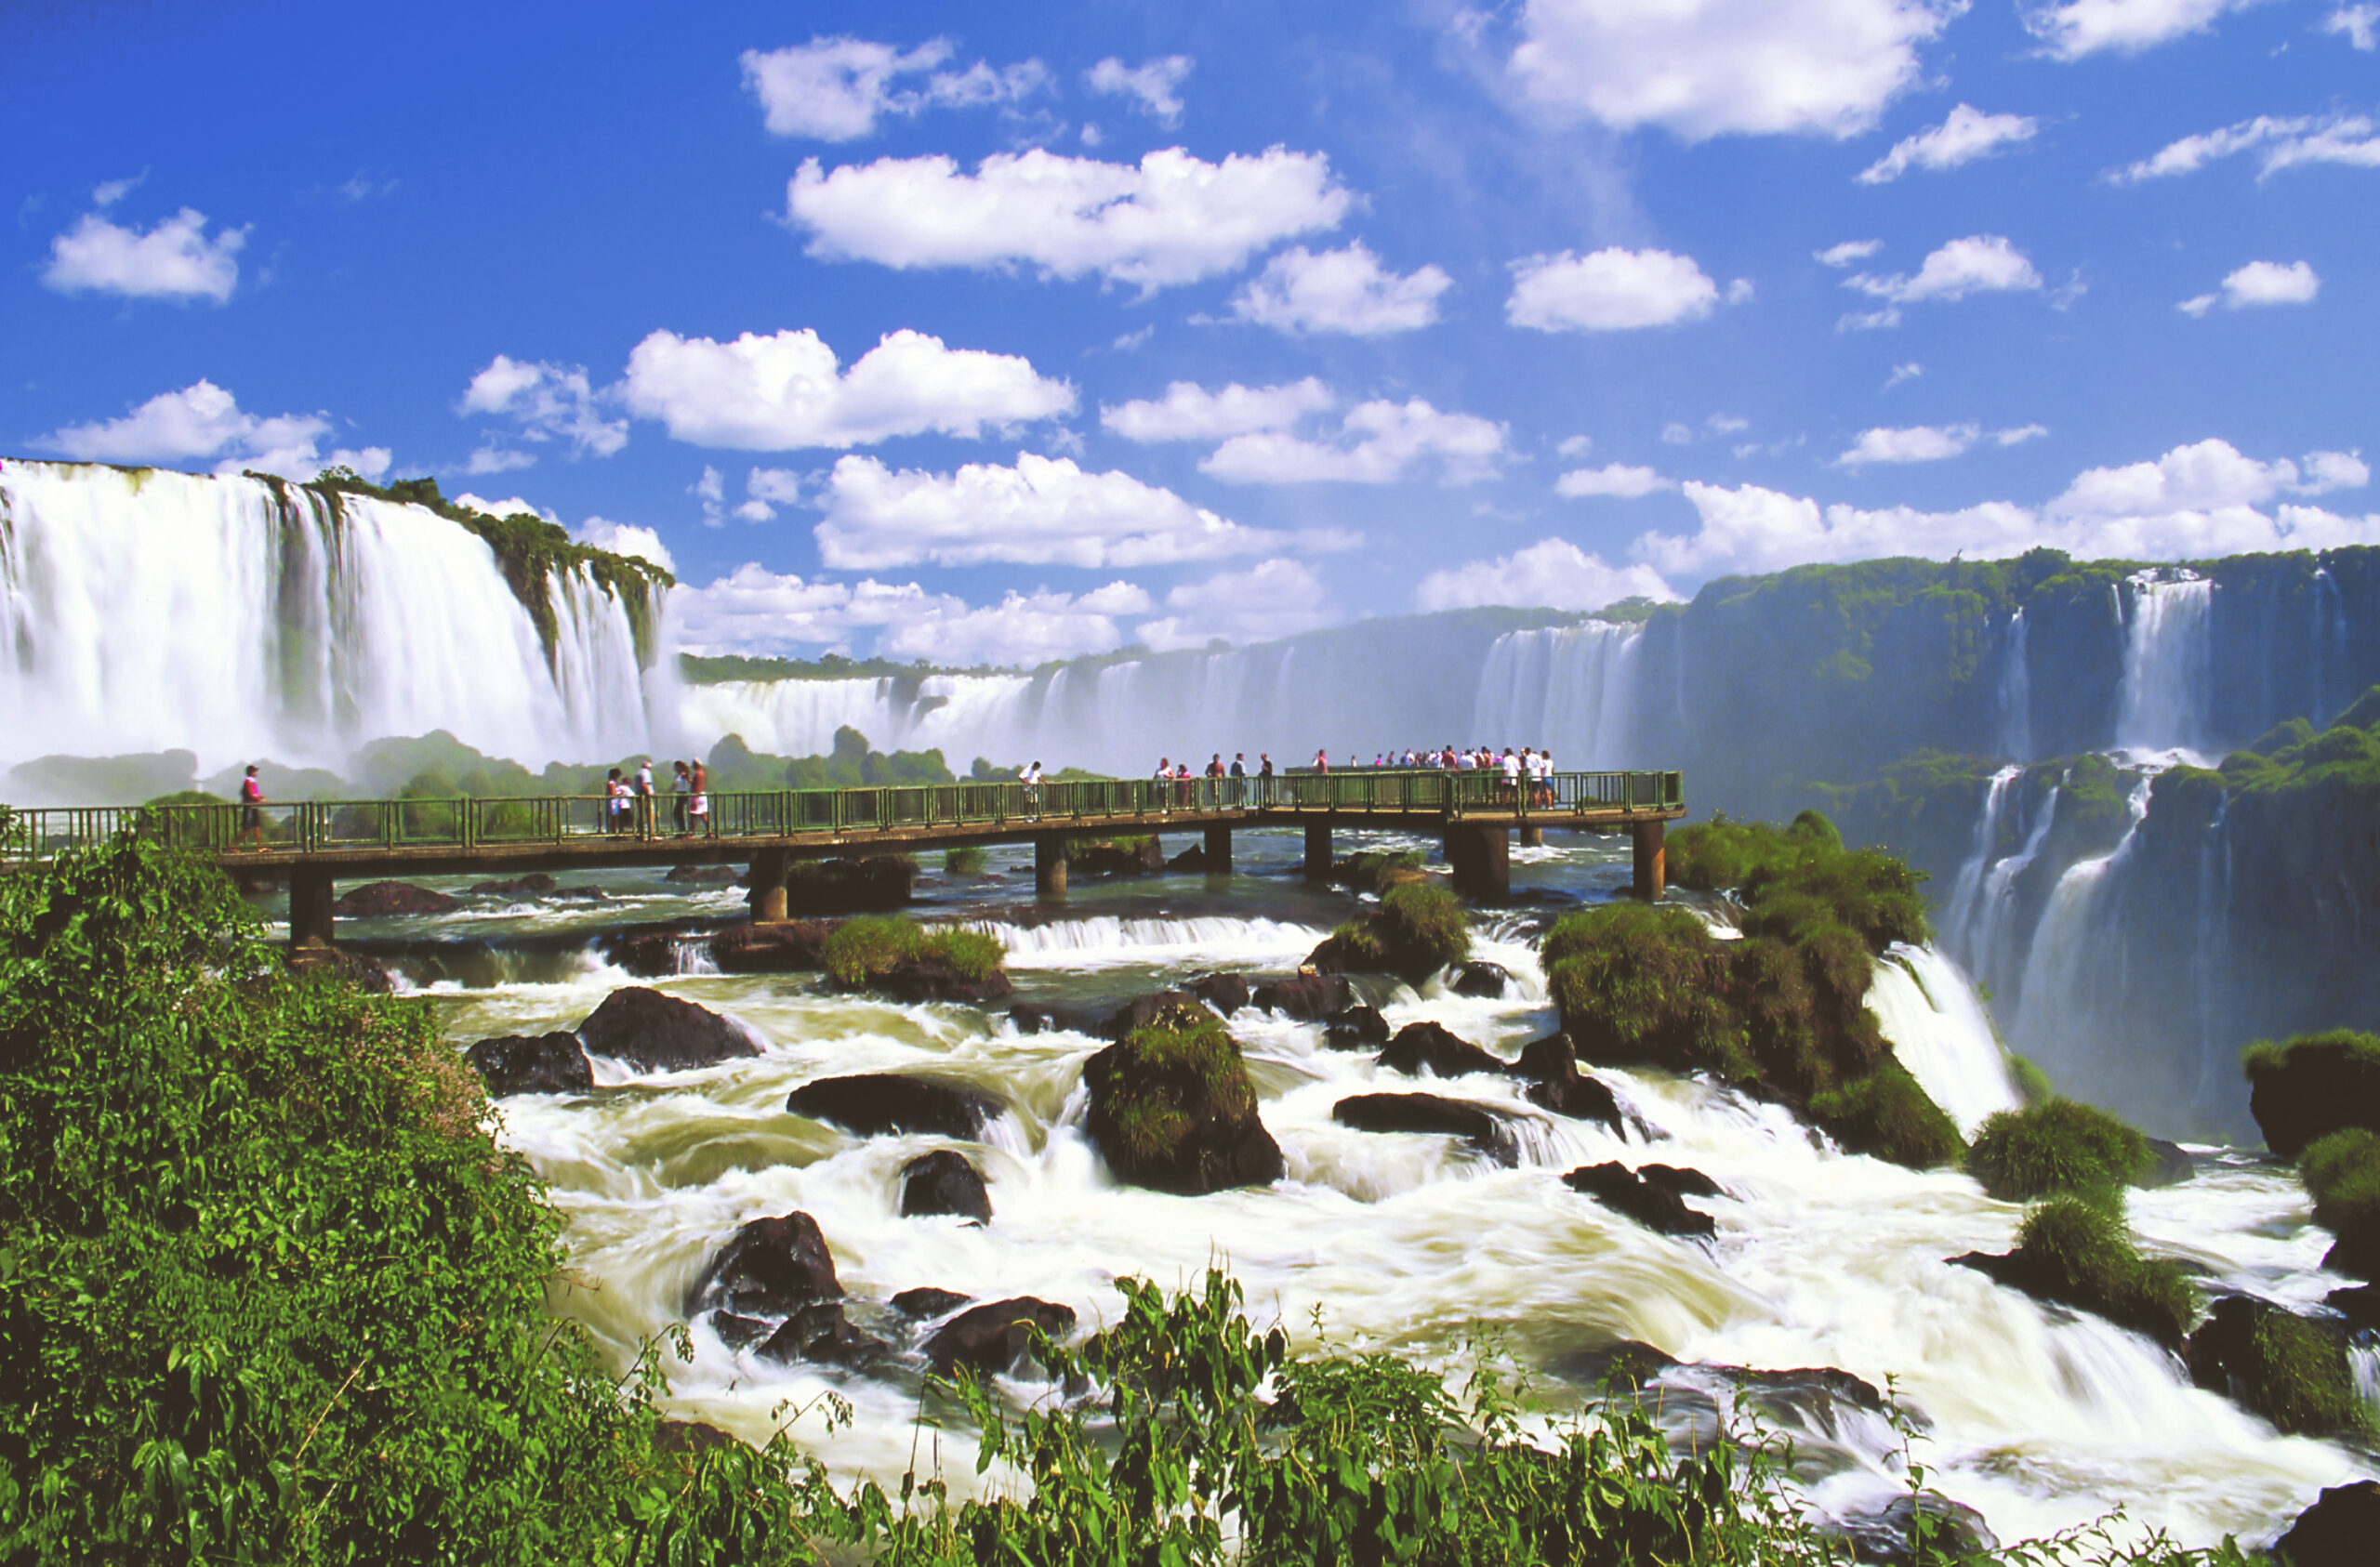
(1173, 1070)
(2086, 1257)
(964, 861)
(868, 950)
(1783, 1011)
(698, 669)
(1417, 929)
(1375, 870)
(270, 1291)
(528, 548)
(2058, 1149)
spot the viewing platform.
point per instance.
(319, 843)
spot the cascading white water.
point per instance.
(2064, 952)
(1940, 1031)
(1966, 891)
(2162, 705)
(1568, 689)
(148, 611)
(2016, 692)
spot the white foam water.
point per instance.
(1940, 1031)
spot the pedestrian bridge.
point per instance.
(319, 843)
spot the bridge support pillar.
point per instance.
(1532, 837)
(1318, 851)
(1652, 861)
(766, 886)
(1050, 866)
(311, 895)
(1218, 850)
(1481, 855)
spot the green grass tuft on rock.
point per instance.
(964, 861)
(2084, 1256)
(2060, 1148)
(1417, 929)
(2304, 1088)
(872, 948)
(1887, 1114)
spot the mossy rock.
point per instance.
(1172, 1108)
(2304, 1088)
(2075, 1253)
(2292, 1370)
(1888, 1115)
(1640, 985)
(2342, 1174)
(1417, 929)
(902, 959)
(2060, 1149)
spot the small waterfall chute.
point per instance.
(1942, 1034)
(2162, 702)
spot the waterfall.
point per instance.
(148, 611)
(2070, 950)
(2330, 665)
(2162, 705)
(2210, 962)
(1569, 689)
(2014, 697)
(1942, 1034)
(1959, 913)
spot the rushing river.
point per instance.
(2040, 1418)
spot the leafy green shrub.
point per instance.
(872, 948)
(1184, 1061)
(2033, 1084)
(2058, 1149)
(2084, 1256)
(1641, 983)
(965, 860)
(1793, 879)
(1375, 870)
(1417, 929)
(1887, 1114)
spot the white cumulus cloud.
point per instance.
(1705, 68)
(1379, 442)
(1847, 252)
(1552, 573)
(834, 89)
(1929, 443)
(1171, 218)
(1610, 290)
(2071, 28)
(1612, 479)
(1273, 599)
(551, 401)
(1042, 511)
(1189, 412)
(1967, 135)
(2279, 143)
(788, 390)
(625, 538)
(1978, 264)
(2358, 24)
(2260, 283)
(204, 422)
(1151, 86)
(174, 260)
(1346, 291)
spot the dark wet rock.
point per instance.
(1551, 1067)
(1114, 857)
(1624, 1192)
(579, 895)
(366, 974)
(820, 1332)
(1225, 992)
(768, 1267)
(1679, 1180)
(1176, 1112)
(1481, 979)
(782, 947)
(1627, 1363)
(876, 1103)
(688, 1438)
(2359, 1303)
(1805, 1387)
(1037, 1017)
(1191, 859)
(872, 884)
(2174, 1164)
(2047, 1278)
(655, 1033)
(2310, 1087)
(1355, 1028)
(927, 1303)
(1887, 1537)
(1488, 1130)
(929, 976)
(709, 875)
(2355, 1252)
(992, 1340)
(943, 1181)
(2292, 1370)
(1143, 1010)
(1309, 998)
(738, 1331)
(1428, 1046)
(529, 885)
(649, 954)
(2337, 1531)
(377, 899)
(542, 1063)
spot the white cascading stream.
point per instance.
(149, 611)
(1569, 689)
(2015, 694)
(1942, 1034)
(2168, 665)
(2064, 955)
(1966, 891)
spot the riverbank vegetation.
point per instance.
(2058, 1149)
(1783, 1011)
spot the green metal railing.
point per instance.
(313, 826)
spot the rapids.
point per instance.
(2040, 1418)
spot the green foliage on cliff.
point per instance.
(712, 670)
(2060, 1149)
(1798, 878)
(2293, 757)
(529, 548)
(734, 767)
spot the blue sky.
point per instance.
(996, 334)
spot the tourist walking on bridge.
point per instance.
(252, 808)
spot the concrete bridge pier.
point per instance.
(1532, 837)
(1318, 851)
(1482, 857)
(1050, 866)
(1218, 850)
(765, 886)
(310, 896)
(1652, 860)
